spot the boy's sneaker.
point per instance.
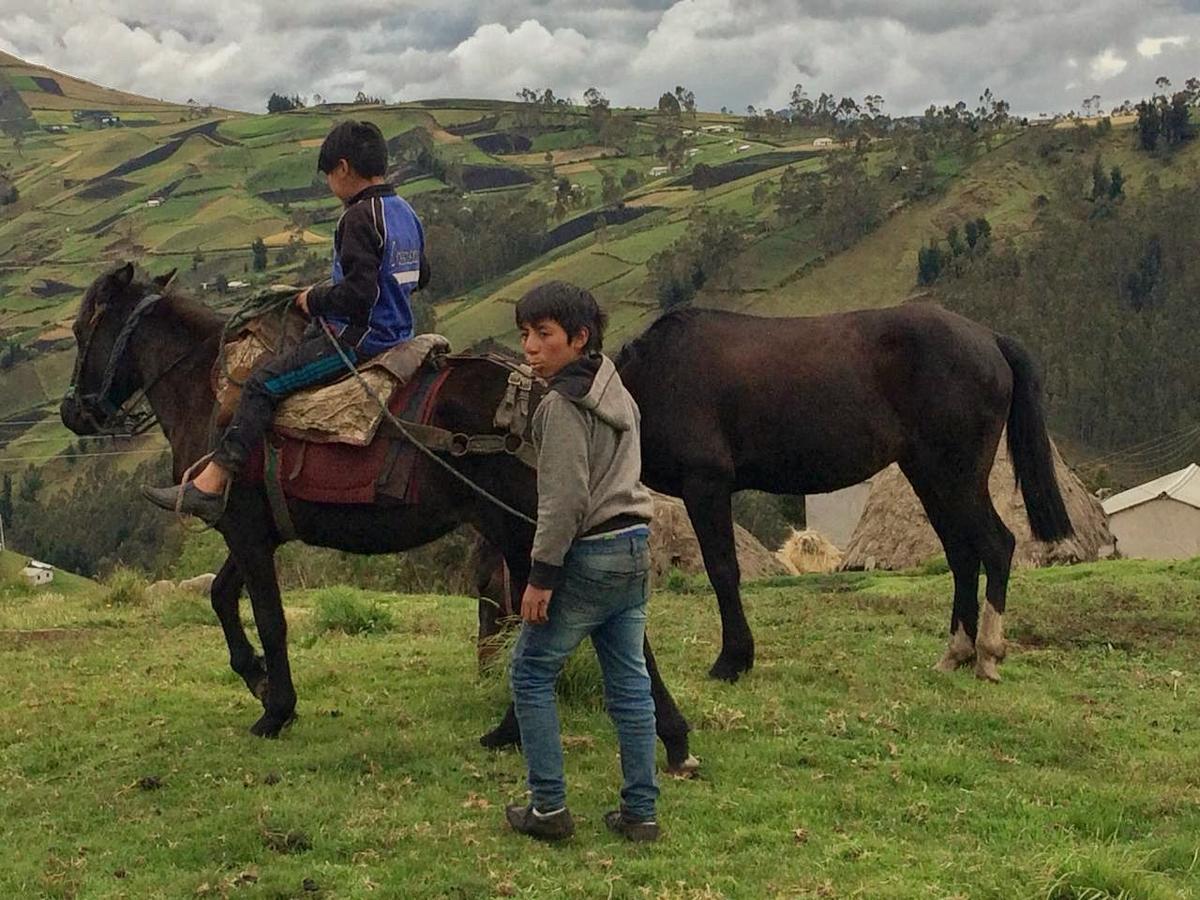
(555, 826)
(187, 499)
(631, 827)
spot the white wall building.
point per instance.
(1159, 519)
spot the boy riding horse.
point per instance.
(378, 260)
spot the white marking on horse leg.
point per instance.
(989, 644)
(958, 652)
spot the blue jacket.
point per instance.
(378, 261)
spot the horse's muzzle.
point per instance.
(75, 418)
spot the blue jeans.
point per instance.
(603, 595)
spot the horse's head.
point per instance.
(105, 376)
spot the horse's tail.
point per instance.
(1029, 447)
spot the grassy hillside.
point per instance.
(842, 766)
(189, 187)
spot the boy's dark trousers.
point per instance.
(313, 362)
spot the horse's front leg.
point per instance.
(256, 561)
(226, 591)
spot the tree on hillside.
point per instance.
(703, 177)
(686, 99)
(668, 105)
(259, 251)
(704, 253)
(611, 191)
(800, 194)
(801, 106)
(280, 103)
(598, 111)
(6, 499)
(630, 179)
(854, 205)
(618, 131)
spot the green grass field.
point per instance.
(841, 766)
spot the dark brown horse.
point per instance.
(809, 405)
(168, 349)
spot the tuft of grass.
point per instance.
(1104, 877)
(350, 611)
(181, 610)
(935, 565)
(124, 587)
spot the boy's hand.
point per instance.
(301, 301)
(535, 605)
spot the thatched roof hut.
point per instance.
(894, 533)
(673, 545)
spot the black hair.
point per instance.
(361, 144)
(571, 307)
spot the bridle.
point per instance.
(130, 416)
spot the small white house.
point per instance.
(1159, 519)
(659, 171)
(38, 573)
(154, 201)
(742, 148)
(823, 142)
(238, 284)
(687, 132)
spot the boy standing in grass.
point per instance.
(591, 562)
(378, 260)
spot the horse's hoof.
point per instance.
(270, 726)
(728, 670)
(987, 670)
(689, 768)
(499, 738)
(949, 663)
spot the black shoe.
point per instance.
(630, 827)
(557, 826)
(201, 504)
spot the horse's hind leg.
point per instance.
(225, 592)
(996, 544)
(964, 618)
(950, 511)
(710, 508)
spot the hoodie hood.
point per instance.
(592, 383)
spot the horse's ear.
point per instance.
(163, 281)
(121, 277)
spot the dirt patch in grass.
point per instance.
(107, 189)
(482, 178)
(503, 142)
(12, 637)
(48, 287)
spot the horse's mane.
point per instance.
(664, 328)
(192, 313)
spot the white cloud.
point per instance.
(729, 52)
(1107, 65)
(1151, 47)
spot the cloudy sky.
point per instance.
(729, 52)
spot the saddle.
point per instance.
(342, 412)
(334, 444)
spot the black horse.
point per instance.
(128, 341)
(809, 405)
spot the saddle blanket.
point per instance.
(342, 412)
(337, 472)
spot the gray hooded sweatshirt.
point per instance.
(586, 430)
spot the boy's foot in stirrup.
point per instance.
(204, 506)
(553, 826)
(631, 827)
